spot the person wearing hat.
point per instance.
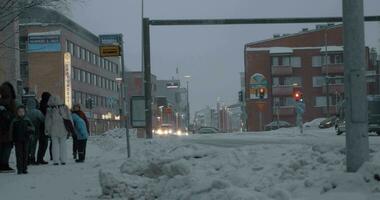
(82, 130)
(21, 130)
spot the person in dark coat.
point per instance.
(44, 139)
(21, 130)
(38, 120)
(7, 113)
(82, 130)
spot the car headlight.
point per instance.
(328, 123)
(179, 132)
(159, 131)
(170, 131)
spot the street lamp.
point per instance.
(119, 81)
(188, 77)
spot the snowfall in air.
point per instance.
(276, 165)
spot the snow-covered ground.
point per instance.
(276, 165)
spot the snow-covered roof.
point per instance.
(58, 32)
(289, 50)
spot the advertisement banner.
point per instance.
(44, 42)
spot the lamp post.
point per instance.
(119, 81)
(187, 101)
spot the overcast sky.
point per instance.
(212, 55)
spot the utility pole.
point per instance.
(123, 111)
(188, 105)
(147, 79)
(357, 145)
(327, 80)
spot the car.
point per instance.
(164, 129)
(276, 125)
(207, 130)
(328, 123)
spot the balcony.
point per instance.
(333, 69)
(284, 111)
(282, 70)
(334, 88)
(282, 90)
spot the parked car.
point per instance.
(373, 116)
(207, 130)
(276, 125)
(328, 123)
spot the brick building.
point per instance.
(297, 60)
(62, 57)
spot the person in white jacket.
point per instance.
(55, 127)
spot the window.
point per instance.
(77, 51)
(93, 59)
(275, 61)
(336, 59)
(316, 61)
(289, 101)
(82, 54)
(276, 81)
(23, 42)
(295, 61)
(319, 81)
(71, 48)
(99, 82)
(97, 60)
(88, 77)
(320, 101)
(82, 76)
(292, 80)
(285, 61)
(88, 57)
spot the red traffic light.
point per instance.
(297, 96)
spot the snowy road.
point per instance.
(320, 137)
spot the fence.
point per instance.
(99, 126)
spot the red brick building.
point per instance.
(296, 60)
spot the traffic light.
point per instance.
(297, 94)
(89, 103)
(241, 99)
(262, 93)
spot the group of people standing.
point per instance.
(25, 126)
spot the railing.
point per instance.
(333, 69)
(99, 126)
(284, 110)
(282, 90)
(282, 70)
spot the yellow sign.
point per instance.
(110, 51)
(67, 79)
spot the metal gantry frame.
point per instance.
(350, 4)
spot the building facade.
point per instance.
(311, 61)
(62, 57)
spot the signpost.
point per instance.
(138, 112)
(112, 45)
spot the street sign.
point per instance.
(110, 51)
(138, 112)
(258, 87)
(172, 85)
(300, 107)
(110, 39)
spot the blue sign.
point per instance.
(300, 107)
(44, 43)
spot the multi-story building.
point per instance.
(62, 57)
(9, 53)
(303, 60)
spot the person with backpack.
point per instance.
(81, 127)
(58, 125)
(43, 141)
(21, 130)
(38, 119)
(7, 113)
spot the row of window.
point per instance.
(320, 101)
(98, 101)
(93, 79)
(92, 58)
(317, 61)
(318, 81)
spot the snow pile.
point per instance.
(365, 184)
(314, 123)
(173, 169)
(112, 139)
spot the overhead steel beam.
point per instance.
(184, 22)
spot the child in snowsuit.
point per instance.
(21, 130)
